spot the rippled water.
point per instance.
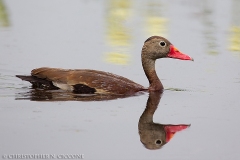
(108, 35)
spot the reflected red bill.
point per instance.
(172, 129)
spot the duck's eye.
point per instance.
(162, 43)
(158, 141)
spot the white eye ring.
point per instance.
(162, 43)
(158, 141)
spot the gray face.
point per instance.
(156, 47)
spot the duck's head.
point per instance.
(156, 47)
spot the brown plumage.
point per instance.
(102, 82)
(86, 81)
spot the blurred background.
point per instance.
(108, 35)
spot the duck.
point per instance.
(88, 81)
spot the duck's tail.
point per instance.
(38, 82)
(27, 78)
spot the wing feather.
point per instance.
(103, 82)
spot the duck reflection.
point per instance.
(155, 135)
(59, 95)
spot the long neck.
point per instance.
(149, 69)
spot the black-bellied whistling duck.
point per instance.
(85, 81)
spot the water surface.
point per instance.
(108, 35)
